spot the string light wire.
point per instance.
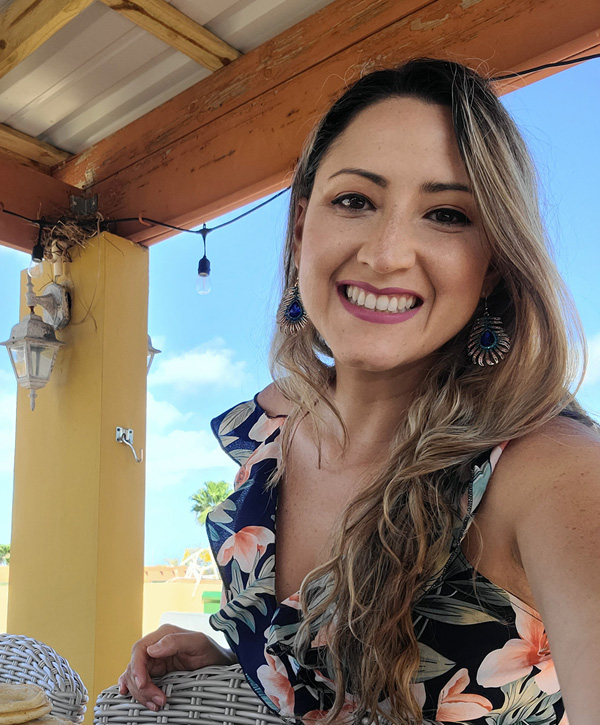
(204, 230)
(103, 223)
(556, 64)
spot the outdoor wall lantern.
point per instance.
(152, 351)
(32, 346)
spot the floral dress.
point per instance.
(485, 658)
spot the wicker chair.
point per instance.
(23, 659)
(203, 697)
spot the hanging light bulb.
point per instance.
(203, 282)
(35, 269)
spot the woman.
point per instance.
(425, 342)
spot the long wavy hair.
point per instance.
(394, 535)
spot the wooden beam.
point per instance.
(177, 30)
(26, 24)
(31, 148)
(337, 26)
(239, 135)
(24, 161)
(28, 192)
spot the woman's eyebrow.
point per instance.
(375, 178)
(429, 187)
(434, 187)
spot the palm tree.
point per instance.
(208, 496)
(4, 554)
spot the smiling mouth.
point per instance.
(393, 304)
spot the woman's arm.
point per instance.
(557, 530)
(167, 649)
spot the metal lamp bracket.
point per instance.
(56, 305)
(125, 435)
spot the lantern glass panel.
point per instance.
(41, 360)
(17, 355)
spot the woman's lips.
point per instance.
(374, 315)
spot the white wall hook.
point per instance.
(125, 435)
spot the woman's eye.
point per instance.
(354, 202)
(450, 216)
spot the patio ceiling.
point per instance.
(201, 106)
(75, 71)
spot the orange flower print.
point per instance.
(276, 685)
(518, 656)
(321, 638)
(243, 546)
(241, 476)
(270, 450)
(316, 716)
(454, 705)
(293, 601)
(264, 426)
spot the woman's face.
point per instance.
(389, 247)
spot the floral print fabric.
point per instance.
(485, 658)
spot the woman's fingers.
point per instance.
(123, 689)
(178, 645)
(144, 690)
(169, 648)
(136, 680)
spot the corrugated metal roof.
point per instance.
(100, 72)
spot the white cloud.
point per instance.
(171, 457)
(161, 414)
(593, 369)
(209, 365)
(172, 454)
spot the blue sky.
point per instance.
(215, 347)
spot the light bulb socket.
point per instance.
(37, 253)
(204, 267)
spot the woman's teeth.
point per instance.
(382, 303)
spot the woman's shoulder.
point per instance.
(556, 463)
(550, 483)
(561, 441)
(273, 402)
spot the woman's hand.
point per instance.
(167, 649)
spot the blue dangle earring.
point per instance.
(488, 342)
(291, 315)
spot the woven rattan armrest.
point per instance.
(203, 697)
(23, 659)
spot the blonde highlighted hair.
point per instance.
(395, 533)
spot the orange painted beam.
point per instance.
(236, 142)
(33, 194)
(336, 27)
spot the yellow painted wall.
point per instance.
(159, 597)
(176, 596)
(78, 495)
(4, 571)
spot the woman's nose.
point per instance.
(389, 247)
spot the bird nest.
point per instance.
(59, 238)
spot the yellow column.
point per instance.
(76, 574)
